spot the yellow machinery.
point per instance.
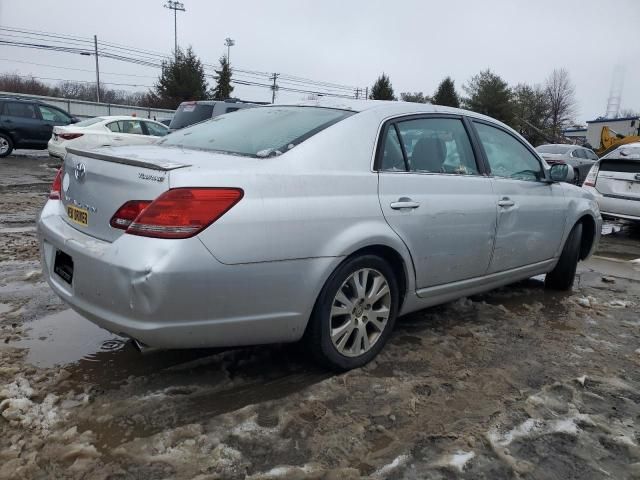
(610, 140)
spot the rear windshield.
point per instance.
(88, 122)
(257, 132)
(625, 153)
(190, 113)
(554, 149)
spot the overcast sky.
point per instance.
(352, 41)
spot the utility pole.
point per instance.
(274, 87)
(229, 42)
(366, 93)
(95, 51)
(175, 6)
(357, 93)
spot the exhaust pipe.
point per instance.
(143, 348)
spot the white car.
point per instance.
(615, 182)
(105, 131)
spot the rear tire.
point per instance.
(564, 273)
(354, 314)
(6, 145)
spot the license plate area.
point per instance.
(63, 266)
(78, 215)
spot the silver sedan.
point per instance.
(315, 221)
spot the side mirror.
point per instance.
(560, 172)
(75, 119)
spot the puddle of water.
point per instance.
(64, 338)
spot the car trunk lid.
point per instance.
(619, 178)
(97, 183)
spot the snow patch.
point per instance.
(397, 462)
(459, 459)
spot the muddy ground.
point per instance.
(517, 383)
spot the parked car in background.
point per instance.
(105, 131)
(615, 182)
(28, 124)
(580, 158)
(320, 221)
(192, 112)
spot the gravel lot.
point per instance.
(517, 383)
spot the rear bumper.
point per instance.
(174, 293)
(616, 207)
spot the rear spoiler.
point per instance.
(162, 165)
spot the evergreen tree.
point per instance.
(223, 87)
(446, 94)
(490, 95)
(532, 113)
(182, 78)
(415, 97)
(382, 89)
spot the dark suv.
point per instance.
(28, 123)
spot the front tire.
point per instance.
(564, 273)
(354, 314)
(6, 145)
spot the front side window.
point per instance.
(257, 132)
(53, 115)
(19, 109)
(156, 130)
(508, 157)
(437, 145)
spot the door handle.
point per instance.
(506, 202)
(404, 203)
(117, 138)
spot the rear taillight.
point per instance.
(69, 136)
(592, 176)
(184, 212)
(56, 186)
(127, 213)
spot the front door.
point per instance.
(531, 211)
(433, 195)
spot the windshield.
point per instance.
(190, 113)
(257, 132)
(88, 122)
(554, 149)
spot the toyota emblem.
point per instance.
(79, 172)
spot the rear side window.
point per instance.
(22, 110)
(132, 127)
(190, 113)
(257, 132)
(114, 127)
(432, 145)
(508, 158)
(392, 159)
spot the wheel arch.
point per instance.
(588, 239)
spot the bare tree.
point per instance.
(562, 102)
(628, 112)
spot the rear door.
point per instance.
(531, 211)
(434, 196)
(22, 121)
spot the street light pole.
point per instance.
(95, 51)
(229, 42)
(175, 6)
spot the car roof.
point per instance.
(389, 108)
(111, 118)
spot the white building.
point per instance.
(623, 126)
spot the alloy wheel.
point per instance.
(360, 312)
